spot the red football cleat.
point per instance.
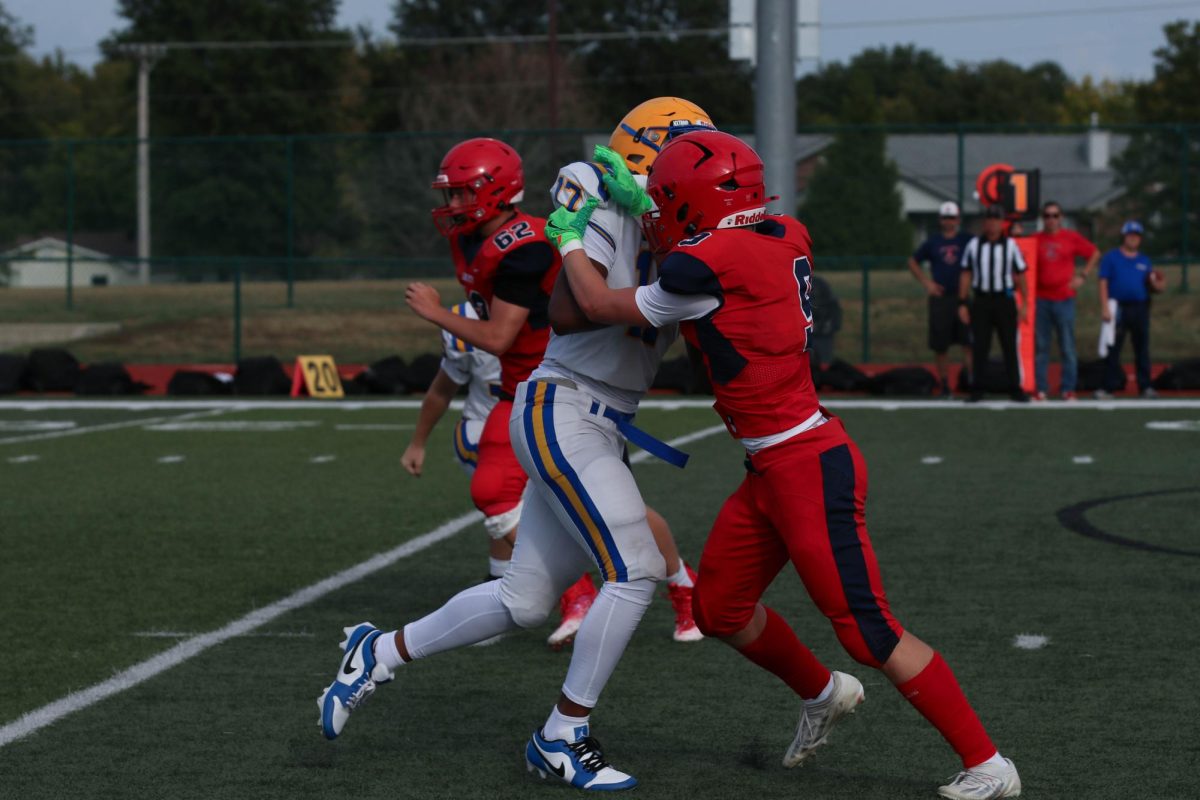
(574, 603)
(681, 600)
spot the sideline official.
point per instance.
(992, 267)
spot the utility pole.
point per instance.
(552, 75)
(775, 99)
(147, 55)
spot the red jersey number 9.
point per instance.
(803, 272)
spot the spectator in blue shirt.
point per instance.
(944, 251)
(1126, 279)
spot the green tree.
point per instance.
(15, 37)
(231, 199)
(1113, 101)
(852, 205)
(599, 80)
(17, 160)
(1152, 166)
(912, 85)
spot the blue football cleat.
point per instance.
(580, 764)
(355, 681)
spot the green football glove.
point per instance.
(621, 186)
(565, 226)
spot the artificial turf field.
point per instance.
(127, 535)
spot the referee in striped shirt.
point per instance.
(992, 266)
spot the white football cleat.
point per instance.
(356, 678)
(817, 719)
(580, 764)
(984, 782)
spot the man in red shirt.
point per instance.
(738, 281)
(1057, 249)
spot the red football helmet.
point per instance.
(479, 178)
(701, 181)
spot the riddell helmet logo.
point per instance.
(739, 219)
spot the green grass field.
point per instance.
(112, 555)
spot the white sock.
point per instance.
(824, 695)
(387, 653)
(602, 637)
(497, 566)
(560, 726)
(996, 760)
(470, 616)
(681, 578)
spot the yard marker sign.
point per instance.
(316, 376)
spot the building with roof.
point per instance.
(96, 259)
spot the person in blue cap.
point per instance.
(1126, 280)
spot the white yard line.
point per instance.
(113, 426)
(234, 426)
(380, 427)
(139, 673)
(1175, 425)
(34, 425)
(658, 403)
(189, 648)
(189, 635)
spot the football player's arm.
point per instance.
(494, 335)
(433, 408)
(517, 289)
(566, 316)
(596, 300)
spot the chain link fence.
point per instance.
(290, 244)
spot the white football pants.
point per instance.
(581, 508)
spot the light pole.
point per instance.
(147, 55)
(775, 99)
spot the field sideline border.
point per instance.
(656, 403)
(39, 718)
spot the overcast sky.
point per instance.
(1102, 38)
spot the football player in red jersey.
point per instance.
(738, 280)
(507, 269)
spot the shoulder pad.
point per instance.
(464, 309)
(577, 182)
(450, 342)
